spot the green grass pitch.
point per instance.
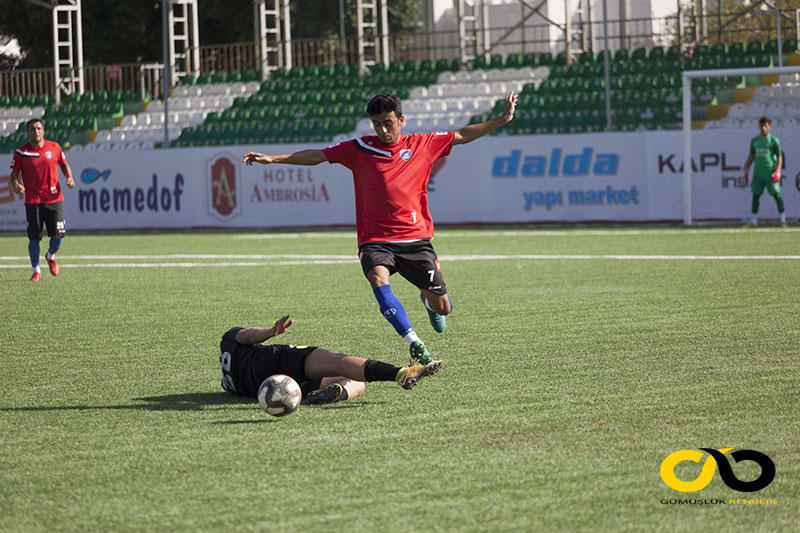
(576, 360)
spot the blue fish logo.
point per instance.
(90, 175)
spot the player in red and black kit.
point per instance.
(394, 227)
(35, 172)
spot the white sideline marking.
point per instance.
(341, 259)
(535, 233)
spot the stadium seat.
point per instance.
(673, 52)
(736, 49)
(755, 48)
(719, 49)
(639, 54)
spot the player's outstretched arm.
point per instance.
(474, 131)
(256, 335)
(303, 157)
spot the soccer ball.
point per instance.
(279, 395)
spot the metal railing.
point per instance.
(685, 28)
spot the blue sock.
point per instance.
(33, 251)
(392, 310)
(55, 244)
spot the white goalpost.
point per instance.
(687, 77)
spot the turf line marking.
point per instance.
(535, 233)
(339, 260)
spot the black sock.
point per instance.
(378, 371)
(754, 206)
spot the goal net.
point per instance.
(714, 185)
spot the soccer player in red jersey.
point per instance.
(35, 173)
(393, 224)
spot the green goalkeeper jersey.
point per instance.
(765, 151)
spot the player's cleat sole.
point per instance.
(326, 395)
(438, 322)
(409, 376)
(36, 277)
(53, 265)
(419, 353)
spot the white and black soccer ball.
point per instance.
(279, 395)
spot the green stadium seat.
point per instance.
(530, 59)
(771, 47)
(754, 48)
(204, 78)
(480, 63)
(656, 52)
(497, 61)
(412, 65)
(719, 49)
(736, 49)
(544, 59)
(560, 59)
(639, 54)
(790, 46)
(673, 52)
(621, 56)
(515, 61)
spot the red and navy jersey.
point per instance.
(391, 183)
(39, 167)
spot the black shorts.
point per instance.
(244, 367)
(416, 261)
(51, 215)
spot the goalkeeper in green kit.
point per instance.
(765, 150)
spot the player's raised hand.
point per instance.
(281, 325)
(511, 106)
(255, 157)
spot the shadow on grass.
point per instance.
(192, 401)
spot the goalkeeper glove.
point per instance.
(776, 175)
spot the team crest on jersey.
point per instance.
(48, 155)
(405, 155)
